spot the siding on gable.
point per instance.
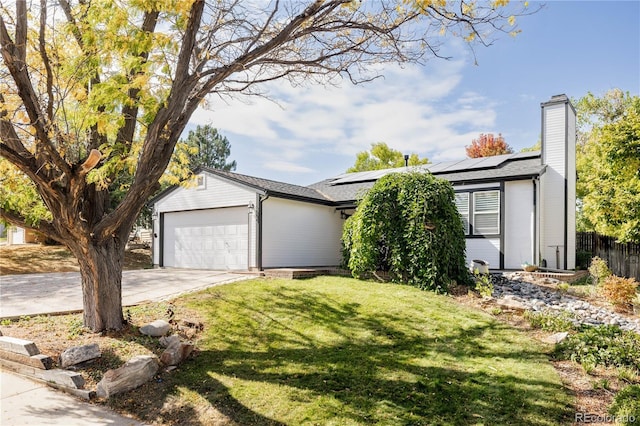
(519, 224)
(217, 193)
(298, 234)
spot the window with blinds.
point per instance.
(462, 204)
(486, 212)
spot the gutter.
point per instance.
(261, 199)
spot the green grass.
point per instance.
(338, 351)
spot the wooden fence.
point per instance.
(623, 259)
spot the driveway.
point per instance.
(34, 294)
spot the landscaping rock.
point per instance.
(511, 304)
(18, 346)
(43, 362)
(557, 337)
(167, 341)
(78, 354)
(192, 324)
(176, 353)
(512, 291)
(64, 378)
(137, 371)
(156, 329)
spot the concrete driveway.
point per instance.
(34, 294)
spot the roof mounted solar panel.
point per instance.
(437, 167)
(363, 176)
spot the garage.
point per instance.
(206, 239)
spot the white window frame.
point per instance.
(463, 209)
(486, 212)
(201, 181)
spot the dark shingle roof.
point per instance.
(282, 189)
(347, 188)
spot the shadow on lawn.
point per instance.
(362, 368)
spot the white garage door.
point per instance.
(206, 239)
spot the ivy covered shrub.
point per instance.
(408, 225)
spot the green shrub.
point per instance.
(626, 405)
(408, 226)
(605, 345)
(619, 291)
(550, 321)
(599, 270)
(483, 284)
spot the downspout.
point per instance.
(535, 220)
(261, 199)
(566, 183)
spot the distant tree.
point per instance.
(608, 165)
(488, 146)
(205, 147)
(408, 224)
(382, 157)
(535, 147)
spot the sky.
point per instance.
(309, 134)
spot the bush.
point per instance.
(619, 291)
(599, 270)
(626, 405)
(605, 345)
(483, 284)
(550, 321)
(408, 226)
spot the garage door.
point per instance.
(206, 239)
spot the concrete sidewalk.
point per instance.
(35, 294)
(27, 402)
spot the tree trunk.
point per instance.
(101, 271)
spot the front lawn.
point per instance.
(338, 351)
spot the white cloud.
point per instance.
(413, 109)
(286, 166)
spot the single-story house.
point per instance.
(516, 208)
(17, 235)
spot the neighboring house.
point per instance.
(18, 235)
(516, 208)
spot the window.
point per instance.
(486, 212)
(201, 182)
(462, 204)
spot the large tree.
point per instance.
(381, 156)
(608, 164)
(487, 145)
(92, 89)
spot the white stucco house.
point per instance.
(516, 208)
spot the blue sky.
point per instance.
(570, 47)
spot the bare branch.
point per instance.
(45, 58)
(130, 110)
(21, 31)
(29, 98)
